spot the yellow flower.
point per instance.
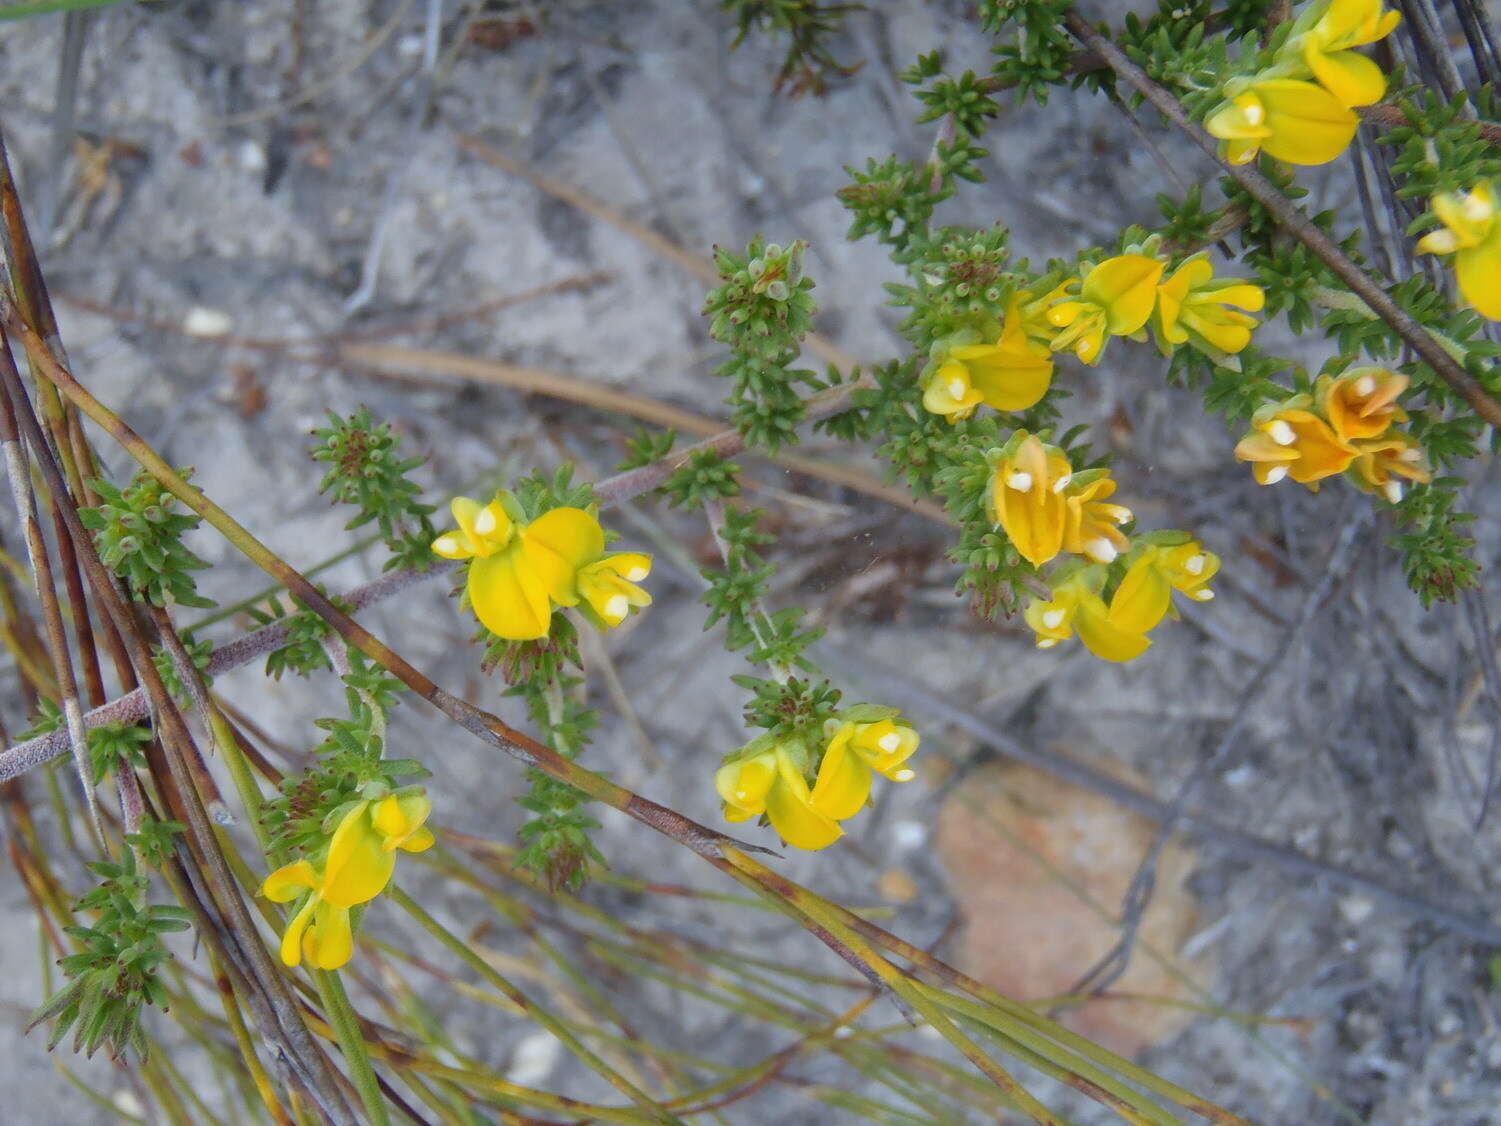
(1092, 523)
(1383, 460)
(517, 571)
(1026, 498)
(773, 784)
(1337, 26)
(855, 753)
(1192, 306)
(1115, 298)
(1010, 375)
(1295, 443)
(1145, 595)
(355, 869)
(1293, 120)
(1076, 606)
(1472, 233)
(1362, 403)
(609, 588)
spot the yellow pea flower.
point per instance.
(356, 867)
(772, 783)
(1076, 607)
(1193, 306)
(855, 753)
(1333, 28)
(517, 571)
(1471, 232)
(1115, 299)
(1380, 462)
(1292, 120)
(1294, 443)
(1145, 595)
(1092, 524)
(1026, 498)
(1010, 375)
(609, 588)
(1362, 403)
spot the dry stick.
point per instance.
(16, 465)
(237, 920)
(133, 706)
(1292, 219)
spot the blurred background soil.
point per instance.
(265, 210)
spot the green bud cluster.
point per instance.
(138, 532)
(366, 470)
(808, 27)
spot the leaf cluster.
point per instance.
(113, 976)
(304, 652)
(707, 475)
(112, 746)
(735, 591)
(808, 26)
(138, 532)
(788, 708)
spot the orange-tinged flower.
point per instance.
(1292, 120)
(1092, 526)
(855, 753)
(1383, 461)
(1471, 232)
(1335, 26)
(772, 783)
(1193, 306)
(1115, 299)
(1076, 607)
(1362, 403)
(1294, 443)
(1026, 498)
(355, 867)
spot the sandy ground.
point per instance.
(255, 153)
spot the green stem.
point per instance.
(346, 1027)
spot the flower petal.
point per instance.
(844, 777)
(329, 942)
(291, 938)
(1143, 598)
(289, 881)
(743, 785)
(1309, 125)
(1478, 272)
(794, 819)
(1352, 78)
(358, 868)
(556, 545)
(507, 604)
(1126, 288)
(1106, 639)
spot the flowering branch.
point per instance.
(1290, 217)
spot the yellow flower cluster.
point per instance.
(772, 777)
(1350, 425)
(1471, 232)
(1301, 108)
(1117, 630)
(356, 865)
(1116, 297)
(519, 571)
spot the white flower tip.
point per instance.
(1047, 643)
(485, 522)
(1255, 114)
(1205, 595)
(617, 607)
(446, 545)
(889, 742)
(1020, 481)
(957, 388)
(1282, 433)
(1393, 490)
(1062, 482)
(1052, 619)
(1412, 454)
(742, 796)
(1195, 566)
(1275, 474)
(1101, 550)
(904, 775)
(1365, 385)
(1477, 208)
(636, 574)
